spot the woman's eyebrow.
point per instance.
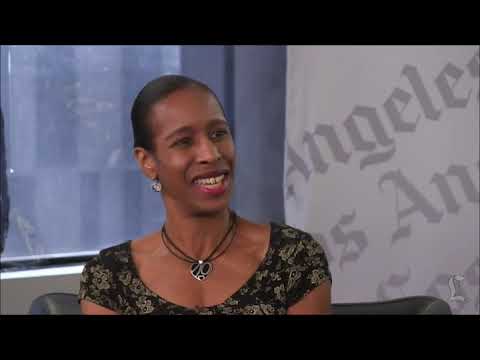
(189, 129)
(217, 121)
(182, 129)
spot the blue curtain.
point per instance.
(259, 76)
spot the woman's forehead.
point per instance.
(185, 106)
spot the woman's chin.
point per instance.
(211, 209)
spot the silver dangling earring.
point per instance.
(156, 186)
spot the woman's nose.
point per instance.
(208, 152)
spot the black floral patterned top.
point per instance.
(294, 265)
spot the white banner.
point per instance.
(382, 167)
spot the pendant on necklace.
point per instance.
(201, 269)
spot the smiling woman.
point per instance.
(205, 259)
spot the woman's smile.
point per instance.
(212, 185)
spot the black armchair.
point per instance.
(55, 304)
(413, 305)
(63, 304)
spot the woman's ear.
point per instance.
(146, 162)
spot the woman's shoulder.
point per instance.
(101, 277)
(294, 244)
(111, 257)
(285, 234)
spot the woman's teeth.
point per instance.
(210, 181)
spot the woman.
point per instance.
(205, 259)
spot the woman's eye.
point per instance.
(182, 142)
(217, 134)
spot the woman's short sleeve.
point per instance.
(97, 285)
(307, 268)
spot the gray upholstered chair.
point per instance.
(64, 304)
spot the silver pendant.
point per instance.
(201, 269)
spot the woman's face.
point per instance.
(194, 154)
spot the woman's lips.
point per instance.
(211, 186)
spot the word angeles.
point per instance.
(394, 106)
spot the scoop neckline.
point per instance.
(260, 267)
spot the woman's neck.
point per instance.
(197, 235)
